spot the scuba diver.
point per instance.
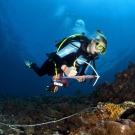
(71, 58)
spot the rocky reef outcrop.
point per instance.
(109, 110)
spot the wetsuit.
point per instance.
(75, 50)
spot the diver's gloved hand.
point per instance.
(81, 80)
(69, 71)
(28, 63)
(91, 80)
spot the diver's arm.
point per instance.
(70, 48)
(84, 69)
(87, 66)
(69, 71)
(63, 67)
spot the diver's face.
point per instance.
(92, 46)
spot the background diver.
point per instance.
(76, 48)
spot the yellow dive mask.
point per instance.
(100, 47)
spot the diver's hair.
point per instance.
(99, 36)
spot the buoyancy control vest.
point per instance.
(76, 37)
(81, 50)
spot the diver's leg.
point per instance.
(44, 69)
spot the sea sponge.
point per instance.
(110, 111)
(113, 112)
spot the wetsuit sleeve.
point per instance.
(86, 67)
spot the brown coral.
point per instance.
(111, 128)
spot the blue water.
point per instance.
(27, 28)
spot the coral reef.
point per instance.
(122, 89)
(109, 110)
